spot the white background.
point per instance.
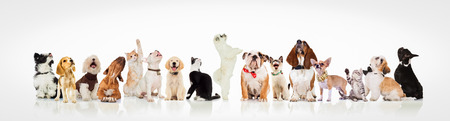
(350, 32)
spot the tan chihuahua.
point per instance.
(328, 81)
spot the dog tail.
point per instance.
(347, 72)
(216, 96)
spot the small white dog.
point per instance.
(87, 86)
(152, 78)
(228, 59)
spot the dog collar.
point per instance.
(158, 71)
(322, 77)
(246, 71)
(405, 65)
(281, 72)
(298, 67)
(174, 73)
(39, 73)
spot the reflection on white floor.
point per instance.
(219, 109)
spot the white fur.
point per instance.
(84, 92)
(373, 81)
(151, 80)
(256, 83)
(136, 64)
(109, 92)
(228, 60)
(44, 82)
(280, 87)
(301, 80)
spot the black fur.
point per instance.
(405, 75)
(201, 84)
(39, 59)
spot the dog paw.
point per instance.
(105, 99)
(181, 99)
(56, 99)
(263, 100)
(244, 99)
(293, 100)
(320, 99)
(150, 100)
(65, 101)
(166, 99)
(112, 100)
(365, 100)
(161, 96)
(311, 100)
(86, 99)
(74, 101)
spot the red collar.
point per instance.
(246, 71)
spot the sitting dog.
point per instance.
(66, 82)
(405, 76)
(45, 81)
(87, 86)
(152, 78)
(174, 87)
(134, 71)
(254, 76)
(201, 83)
(378, 85)
(279, 86)
(108, 90)
(355, 81)
(227, 61)
(302, 76)
(329, 81)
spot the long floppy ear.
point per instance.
(73, 68)
(313, 61)
(385, 68)
(328, 61)
(106, 71)
(168, 64)
(244, 55)
(59, 69)
(292, 57)
(181, 65)
(120, 77)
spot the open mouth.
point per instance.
(174, 68)
(158, 55)
(93, 65)
(276, 66)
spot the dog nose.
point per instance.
(299, 41)
(93, 59)
(71, 60)
(254, 57)
(174, 63)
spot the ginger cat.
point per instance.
(134, 70)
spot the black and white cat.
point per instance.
(45, 80)
(200, 82)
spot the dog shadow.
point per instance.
(110, 109)
(410, 108)
(134, 105)
(332, 109)
(301, 107)
(252, 108)
(175, 107)
(200, 108)
(87, 108)
(45, 107)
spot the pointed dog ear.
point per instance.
(281, 59)
(59, 69)
(313, 62)
(292, 57)
(270, 59)
(244, 55)
(266, 58)
(328, 61)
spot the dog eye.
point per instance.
(377, 58)
(321, 64)
(64, 61)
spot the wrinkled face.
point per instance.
(174, 64)
(220, 38)
(404, 55)
(254, 59)
(276, 64)
(92, 65)
(66, 63)
(132, 56)
(154, 57)
(44, 58)
(302, 46)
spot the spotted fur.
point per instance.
(355, 81)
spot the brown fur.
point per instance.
(265, 85)
(389, 84)
(113, 72)
(66, 82)
(292, 59)
(175, 89)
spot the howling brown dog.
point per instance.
(302, 49)
(109, 87)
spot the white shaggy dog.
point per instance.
(87, 86)
(228, 59)
(45, 81)
(152, 78)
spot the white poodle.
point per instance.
(228, 59)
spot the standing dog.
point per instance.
(174, 87)
(254, 76)
(279, 86)
(227, 61)
(378, 85)
(329, 81)
(108, 90)
(45, 81)
(87, 86)
(201, 83)
(134, 70)
(302, 76)
(152, 78)
(355, 81)
(405, 75)
(66, 82)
